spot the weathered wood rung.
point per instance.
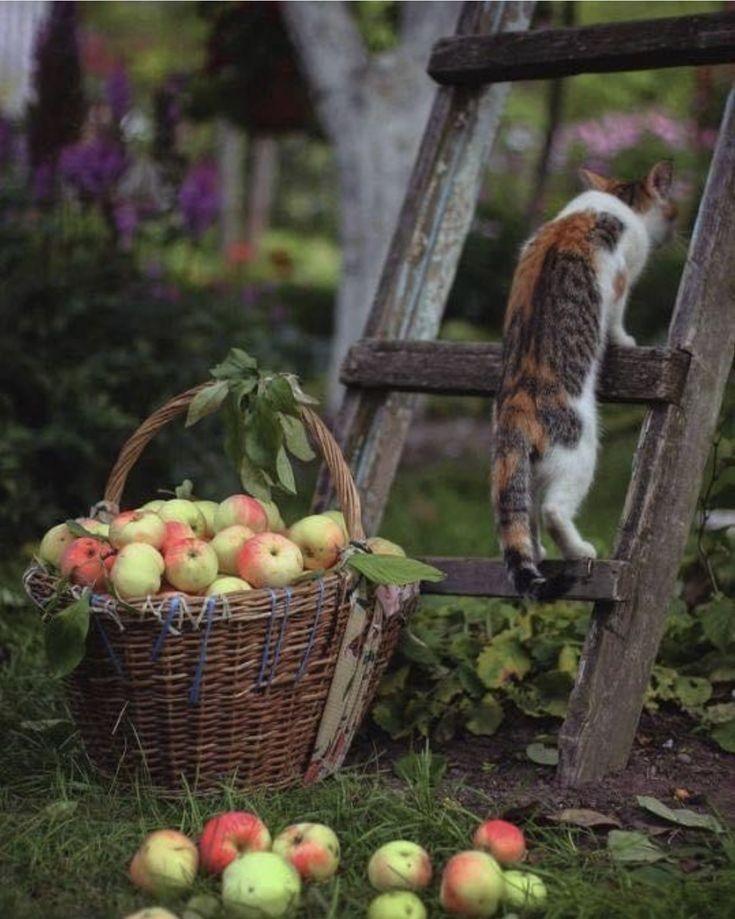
(485, 577)
(645, 45)
(648, 375)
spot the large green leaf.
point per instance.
(254, 480)
(724, 735)
(279, 396)
(692, 691)
(296, 439)
(485, 716)
(384, 569)
(681, 815)
(66, 635)
(543, 755)
(237, 364)
(206, 401)
(263, 436)
(718, 622)
(284, 471)
(631, 847)
(502, 660)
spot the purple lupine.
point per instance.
(93, 167)
(126, 220)
(199, 197)
(118, 92)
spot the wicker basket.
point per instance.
(190, 692)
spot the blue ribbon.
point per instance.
(312, 633)
(111, 653)
(284, 621)
(267, 644)
(158, 646)
(195, 686)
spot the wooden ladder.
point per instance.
(683, 383)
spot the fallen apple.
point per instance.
(524, 891)
(227, 585)
(54, 544)
(231, 834)
(137, 571)
(165, 864)
(137, 526)
(228, 543)
(269, 560)
(242, 510)
(312, 848)
(472, 884)
(186, 512)
(503, 840)
(201, 906)
(191, 565)
(83, 562)
(260, 885)
(320, 539)
(397, 904)
(153, 912)
(400, 865)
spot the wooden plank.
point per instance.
(642, 45)
(623, 639)
(485, 577)
(473, 369)
(419, 270)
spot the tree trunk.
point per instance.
(261, 185)
(231, 156)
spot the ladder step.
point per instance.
(604, 579)
(645, 45)
(646, 375)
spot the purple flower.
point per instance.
(118, 92)
(125, 216)
(42, 182)
(93, 167)
(199, 197)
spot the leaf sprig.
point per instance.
(262, 421)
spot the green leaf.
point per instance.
(631, 847)
(76, 529)
(242, 388)
(692, 691)
(724, 735)
(485, 716)
(414, 649)
(502, 660)
(279, 395)
(206, 401)
(296, 438)
(719, 713)
(425, 767)
(66, 634)
(263, 436)
(543, 755)
(237, 364)
(471, 683)
(299, 395)
(718, 622)
(384, 569)
(285, 472)
(681, 815)
(254, 480)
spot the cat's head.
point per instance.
(649, 197)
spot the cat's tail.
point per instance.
(511, 491)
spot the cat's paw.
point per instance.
(622, 339)
(582, 549)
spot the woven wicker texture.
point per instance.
(193, 691)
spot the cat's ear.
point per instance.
(594, 180)
(658, 181)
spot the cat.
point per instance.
(567, 301)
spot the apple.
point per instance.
(227, 585)
(269, 560)
(176, 531)
(339, 519)
(472, 884)
(382, 546)
(201, 906)
(186, 512)
(191, 565)
(242, 510)
(320, 540)
(503, 840)
(165, 864)
(312, 848)
(54, 543)
(137, 570)
(95, 527)
(83, 562)
(275, 521)
(399, 865)
(229, 835)
(260, 885)
(207, 510)
(227, 544)
(152, 912)
(524, 891)
(154, 505)
(137, 526)
(397, 904)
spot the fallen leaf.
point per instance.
(545, 756)
(584, 817)
(630, 847)
(60, 808)
(680, 816)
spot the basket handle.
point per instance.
(320, 435)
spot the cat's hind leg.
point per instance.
(568, 473)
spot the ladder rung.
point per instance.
(645, 45)
(645, 375)
(484, 577)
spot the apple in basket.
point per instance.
(207, 509)
(83, 562)
(260, 885)
(186, 512)
(320, 539)
(269, 560)
(154, 505)
(176, 531)
(276, 523)
(312, 848)
(472, 884)
(400, 865)
(227, 544)
(227, 585)
(137, 570)
(243, 511)
(397, 904)
(339, 519)
(191, 565)
(165, 864)
(137, 526)
(503, 840)
(54, 543)
(229, 835)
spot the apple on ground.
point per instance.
(312, 848)
(154, 505)
(242, 510)
(83, 562)
(472, 884)
(153, 912)
(260, 885)
(54, 543)
(397, 904)
(320, 539)
(503, 840)
(137, 526)
(165, 864)
(276, 523)
(229, 835)
(186, 512)
(207, 510)
(176, 531)
(191, 565)
(227, 585)
(201, 906)
(382, 546)
(269, 560)
(227, 544)
(137, 570)
(339, 519)
(524, 891)
(400, 865)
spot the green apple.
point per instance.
(320, 539)
(397, 904)
(137, 570)
(54, 544)
(382, 546)
(207, 510)
(227, 585)
(227, 544)
(191, 565)
(524, 891)
(260, 885)
(137, 526)
(312, 848)
(339, 519)
(399, 865)
(95, 527)
(472, 884)
(201, 906)
(275, 521)
(154, 505)
(186, 512)
(165, 864)
(153, 912)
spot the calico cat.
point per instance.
(566, 302)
